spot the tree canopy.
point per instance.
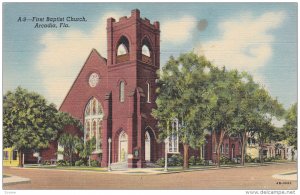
(205, 97)
(290, 126)
(29, 122)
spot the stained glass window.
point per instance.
(93, 118)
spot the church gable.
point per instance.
(90, 82)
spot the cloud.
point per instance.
(177, 31)
(63, 55)
(245, 42)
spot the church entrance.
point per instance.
(123, 147)
(147, 146)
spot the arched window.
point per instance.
(147, 146)
(123, 147)
(148, 93)
(122, 89)
(92, 122)
(145, 51)
(122, 50)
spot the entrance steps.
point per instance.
(119, 166)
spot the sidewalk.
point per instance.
(291, 176)
(10, 180)
(157, 171)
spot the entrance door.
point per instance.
(147, 146)
(123, 147)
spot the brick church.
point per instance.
(114, 97)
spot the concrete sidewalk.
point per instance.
(156, 171)
(291, 176)
(10, 180)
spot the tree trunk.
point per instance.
(219, 143)
(89, 160)
(244, 137)
(260, 153)
(20, 158)
(201, 152)
(218, 156)
(186, 156)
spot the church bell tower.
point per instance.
(133, 50)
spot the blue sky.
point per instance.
(260, 38)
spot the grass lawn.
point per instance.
(101, 169)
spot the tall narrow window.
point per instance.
(5, 155)
(173, 137)
(15, 155)
(226, 148)
(148, 93)
(122, 88)
(222, 149)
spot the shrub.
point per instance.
(248, 159)
(193, 160)
(277, 157)
(61, 163)
(80, 163)
(256, 160)
(95, 163)
(200, 161)
(46, 162)
(224, 160)
(160, 162)
(175, 160)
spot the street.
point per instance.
(232, 178)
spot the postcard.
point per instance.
(150, 96)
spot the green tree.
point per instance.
(71, 144)
(29, 123)
(290, 127)
(255, 108)
(86, 150)
(181, 96)
(266, 109)
(221, 108)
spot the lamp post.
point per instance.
(109, 145)
(166, 155)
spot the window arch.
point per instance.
(123, 50)
(93, 116)
(122, 91)
(145, 51)
(123, 147)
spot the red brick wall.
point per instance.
(50, 152)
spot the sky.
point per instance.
(260, 38)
